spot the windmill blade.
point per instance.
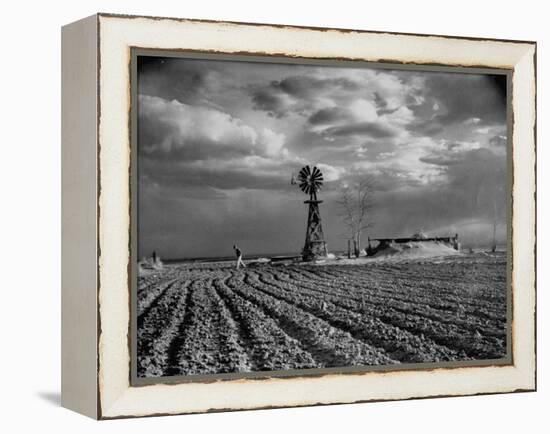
(302, 176)
(305, 172)
(310, 179)
(317, 174)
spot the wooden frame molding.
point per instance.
(96, 56)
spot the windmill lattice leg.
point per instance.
(315, 245)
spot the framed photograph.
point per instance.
(261, 216)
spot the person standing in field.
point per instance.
(239, 257)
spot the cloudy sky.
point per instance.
(218, 142)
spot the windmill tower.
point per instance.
(310, 181)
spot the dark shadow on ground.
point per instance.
(52, 398)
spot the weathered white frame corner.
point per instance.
(79, 236)
(117, 34)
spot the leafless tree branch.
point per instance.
(356, 206)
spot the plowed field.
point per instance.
(211, 318)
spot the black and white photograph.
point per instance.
(271, 218)
(299, 216)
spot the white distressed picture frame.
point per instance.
(96, 216)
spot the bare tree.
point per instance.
(356, 205)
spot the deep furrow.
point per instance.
(147, 302)
(484, 315)
(446, 273)
(393, 283)
(267, 345)
(329, 346)
(461, 289)
(423, 276)
(208, 318)
(399, 343)
(495, 327)
(449, 336)
(170, 366)
(150, 281)
(207, 342)
(159, 328)
(333, 287)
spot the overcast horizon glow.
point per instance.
(219, 140)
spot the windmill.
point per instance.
(310, 182)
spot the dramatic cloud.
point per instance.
(180, 132)
(218, 142)
(468, 99)
(298, 94)
(329, 116)
(366, 129)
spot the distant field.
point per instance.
(210, 318)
